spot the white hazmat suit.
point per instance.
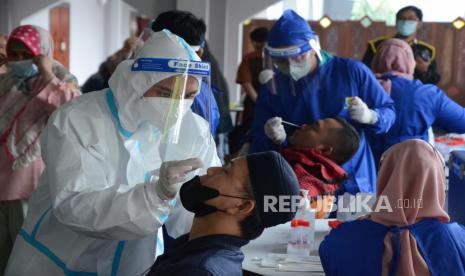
(96, 210)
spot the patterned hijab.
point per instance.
(20, 121)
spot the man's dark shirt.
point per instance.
(209, 255)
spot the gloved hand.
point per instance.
(172, 173)
(360, 112)
(274, 129)
(265, 76)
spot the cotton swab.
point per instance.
(290, 124)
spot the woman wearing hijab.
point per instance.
(33, 87)
(410, 233)
(418, 106)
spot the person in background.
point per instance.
(192, 29)
(418, 106)
(114, 161)
(303, 91)
(316, 153)
(248, 77)
(247, 74)
(3, 59)
(408, 22)
(230, 210)
(410, 233)
(33, 87)
(99, 80)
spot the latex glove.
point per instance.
(172, 173)
(265, 76)
(274, 129)
(360, 112)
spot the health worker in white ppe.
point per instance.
(114, 162)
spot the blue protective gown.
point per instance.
(322, 95)
(357, 248)
(206, 107)
(418, 107)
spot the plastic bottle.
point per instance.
(302, 229)
(309, 215)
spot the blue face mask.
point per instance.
(23, 69)
(406, 27)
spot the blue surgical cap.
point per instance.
(290, 30)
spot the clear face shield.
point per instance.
(286, 67)
(167, 104)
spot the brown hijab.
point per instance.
(394, 57)
(411, 171)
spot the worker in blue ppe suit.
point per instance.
(408, 231)
(115, 159)
(302, 91)
(418, 106)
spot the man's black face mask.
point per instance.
(193, 196)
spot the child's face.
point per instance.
(315, 135)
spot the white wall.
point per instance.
(4, 17)
(86, 33)
(126, 12)
(112, 25)
(151, 8)
(40, 18)
(216, 30)
(20, 9)
(338, 10)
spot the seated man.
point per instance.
(316, 153)
(230, 206)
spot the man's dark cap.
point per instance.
(271, 176)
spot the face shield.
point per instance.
(287, 66)
(153, 94)
(149, 100)
(167, 103)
